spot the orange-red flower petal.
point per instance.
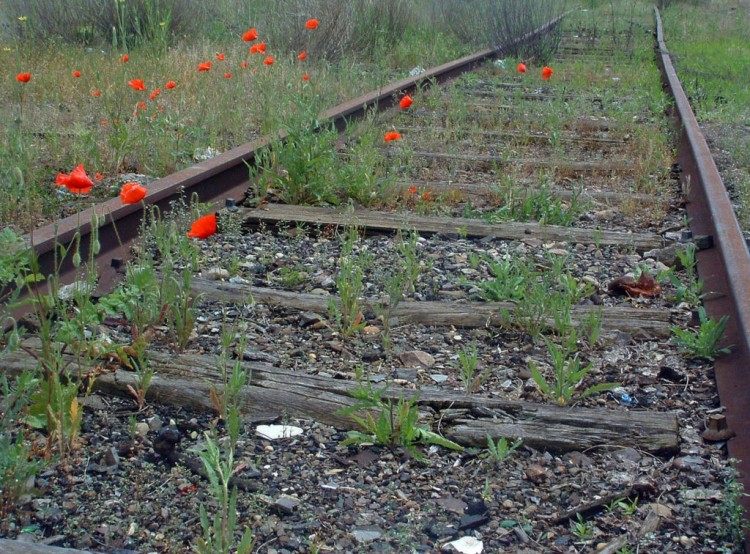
(125, 58)
(406, 101)
(132, 193)
(77, 182)
(170, 85)
(546, 72)
(220, 56)
(137, 84)
(76, 74)
(259, 48)
(306, 77)
(312, 24)
(250, 35)
(205, 66)
(23, 77)
(268, 60)
(96, 93)
(203, 228)
(392, 135)
(302, 55)
(521, 68)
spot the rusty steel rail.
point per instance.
(222, 177)
(724, 268)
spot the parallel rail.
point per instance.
(724, 269)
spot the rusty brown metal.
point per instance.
(724, 268)
(222, 177)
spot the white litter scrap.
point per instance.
(466, 545)
(274, 432)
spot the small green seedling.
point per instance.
(501, 450)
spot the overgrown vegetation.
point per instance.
(112, 128)
(485, 23)
(710, 47)
(385, 422)
(542, 297)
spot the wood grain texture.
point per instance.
(185, 381)
(637, 322)
(376, 221)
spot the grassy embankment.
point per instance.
(710, 47)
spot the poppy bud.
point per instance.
(77, 259)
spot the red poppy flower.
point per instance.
(170, 85)
(306, 77)
(227, 75)
(132, 193)
(413, 190)
(406, 101)
(312, 24)
(521, 68)
(426, 195)
(203, 227)
(268, 60)
(220, 56)
(205, 66)
(125, 58)
(98, 176)
(104, 122)
(76, 74)
(154, 93)
(546, 72)
(259, 48)
(142, 106)
(244, 64)
(137, 84)
(302, 56)
(250, 35)
(23, 77)
(76, 182)
(96, 93)
(392, 135)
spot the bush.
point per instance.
(467, 19)
(345, 27)
(124, 22)
(481, 22)
(512, 19)
(353, 27)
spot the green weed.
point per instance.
(388, 423)
(348, 312)
(500, 450)
(702, 342)
(16, 463)
(568, 372)
(583, 530)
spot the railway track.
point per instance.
(516, 219)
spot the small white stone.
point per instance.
(142, 429)
(273, 432)
(466, 545)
